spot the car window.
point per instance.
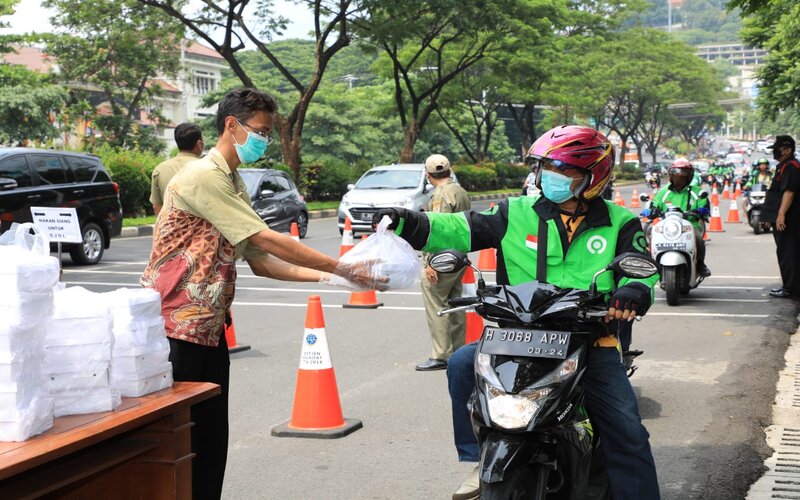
(48, 169)
(16, 167)
(283, 182)
(269, 182)
(83, 169)
(389, 179)
(102, 176)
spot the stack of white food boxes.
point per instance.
(78, 354)
(26, 305)
(140, 360)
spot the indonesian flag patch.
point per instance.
(532, 242)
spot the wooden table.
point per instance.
(140, 450)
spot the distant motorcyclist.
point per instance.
(679, 193)
(760, 175)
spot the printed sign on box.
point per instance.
(59, 224)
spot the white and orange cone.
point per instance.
(733, 213)
(347, 237)
(317, 410)
(474, 320)
(294, 232)
(715, 225)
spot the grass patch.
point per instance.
(138, 221)
(322, 205)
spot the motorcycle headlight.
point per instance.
(672, 230)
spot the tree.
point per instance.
(223, 26)
(118, 47)
(426, 44)
(26, 113)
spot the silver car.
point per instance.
(402, 185)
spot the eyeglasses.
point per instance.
(261, 133)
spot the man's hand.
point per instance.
(392, 213)
(432, 275)
(780, 223)
(624, 303)
(363, 274)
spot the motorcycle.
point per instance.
(536, 439)
(671, 240)
(753, 202)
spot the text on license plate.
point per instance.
(366, 216)
(669, 246)
(523, 342)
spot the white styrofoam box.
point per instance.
(36, 418)
(21, 340)
(155, 379)
(82, 401)
(76, 380)
(23, 271)
(16, 396)
(89, 330)
(146, 332)
(130, 305)
(139, 360)
(78, 302)
(71, 357)
(26, 369)
(25, 309)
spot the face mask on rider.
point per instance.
(556, 187)
(253, 148)
(777, 153)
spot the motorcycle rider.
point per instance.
(759, 175)
(579, 232)
(680, 193)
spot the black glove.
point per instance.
(393, 213)
(633, 296)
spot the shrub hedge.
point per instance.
(131, 169)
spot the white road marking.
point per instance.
(725, 277)
(692, 299)
(709, 315)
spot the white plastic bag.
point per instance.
(19, 235)
(393, 258)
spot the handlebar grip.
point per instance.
(462, 301)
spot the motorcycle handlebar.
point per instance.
(463, 301)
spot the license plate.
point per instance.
(670, 246)
(367, 216)
(523, 342)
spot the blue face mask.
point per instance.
(253, 148)
(556, 187)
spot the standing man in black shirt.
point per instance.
(782, 210)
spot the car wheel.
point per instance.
(302, 224)
(91, 250)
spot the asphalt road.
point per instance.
(705, 382)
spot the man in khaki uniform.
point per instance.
(189, 139)
(447, 332)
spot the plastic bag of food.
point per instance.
(389, 259)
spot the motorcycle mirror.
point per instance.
(449, 261)
(634, 265)
(703, 195)
(644, 197)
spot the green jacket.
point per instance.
(686, 199)
(512, 228)
(766, 178)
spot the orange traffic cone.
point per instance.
(714, 195)
(635, 200)
(474, 320)
(294, 232)
(487, 260)
(317, 411)
(618, 199)
(715, 226)
(230, 337)
(738, 192)
(347, 237)
(726, 193)
(733, 213)
(363, 300)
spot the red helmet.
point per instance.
(682, 166)
(573, 146)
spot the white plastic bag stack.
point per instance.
(27, 277)
(78, 353)
(140, 359)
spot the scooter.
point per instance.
(672, 245)
(536, 439)
(753, 202)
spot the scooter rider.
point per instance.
(580, 233)
(759, 175)
(681, 194)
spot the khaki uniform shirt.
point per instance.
(199, 234)
(164, 172)
(448, 198)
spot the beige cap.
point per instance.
(437, 163)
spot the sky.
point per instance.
(31, 16)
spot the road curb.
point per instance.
(782, 479)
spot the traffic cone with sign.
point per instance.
(294, 232)
(618, 199)
(317, 411)
(714, 195)
(474, 320)
(230, 337)
(635, 203)
(363, 300)
(726, 193)
(347, 237)
(733, 213)
(738, 192)
(715, 225)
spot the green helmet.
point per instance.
(762, 160)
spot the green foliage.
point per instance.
(476, 178)
(25, 113)
(328, 180)
(131, 169)
(510, 175)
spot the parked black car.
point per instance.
(276, 199)
(48, 178)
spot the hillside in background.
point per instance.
(696, 22)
